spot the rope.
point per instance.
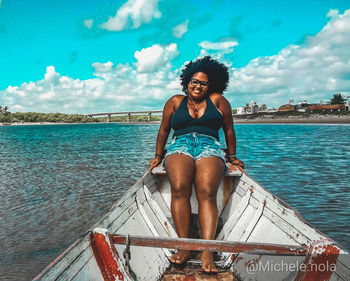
(127, 253)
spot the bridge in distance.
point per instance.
(124, 113)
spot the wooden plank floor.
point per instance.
(195, 273)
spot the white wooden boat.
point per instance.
(259, 237)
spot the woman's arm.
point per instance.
(163, 132)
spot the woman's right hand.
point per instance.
(154, 162)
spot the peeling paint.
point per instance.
(321, 261)
(233, 256)
(107, 256)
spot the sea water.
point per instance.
(58, 180)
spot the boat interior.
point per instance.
(256, 232)
(248, 213)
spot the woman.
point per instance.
(194, 155)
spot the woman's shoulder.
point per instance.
(177, 98)
(174, 102)
(218, 99)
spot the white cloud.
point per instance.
(332, 13)
(102, 68)
(132, 15)
(151, 58)
(47, 95)
(88, 23)
(51, 74)
(115, 88)
(218, 49)
(226, 46)
(181, 29)
(312, 71)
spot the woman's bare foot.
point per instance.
(180, 257)
(208, 262)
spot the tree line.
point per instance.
(35, 117)
(337, 98)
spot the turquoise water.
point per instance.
(56, 181)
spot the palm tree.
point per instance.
(255, 107)
(246, 108)
(1, 112)
(4, 111)
(338, 99)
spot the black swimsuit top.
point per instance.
(209, 124)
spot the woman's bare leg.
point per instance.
(209, 172)
(180, 169)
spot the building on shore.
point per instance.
(254, 108)
(286, 107)
(326, 107)
(241, 110)
(301, 106)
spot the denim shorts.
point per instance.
(196, 146)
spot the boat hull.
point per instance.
(248, 214)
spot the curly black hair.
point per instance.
(217, 74)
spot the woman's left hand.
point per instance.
(237, 162)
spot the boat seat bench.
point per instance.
(232, 170)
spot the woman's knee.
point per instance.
(181, 189)
(207, 193)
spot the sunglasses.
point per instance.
(196, 82)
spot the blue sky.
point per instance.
(103, 55)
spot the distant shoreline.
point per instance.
(291, 120)
(295, 120)
(86, 123)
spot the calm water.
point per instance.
(56, 181)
